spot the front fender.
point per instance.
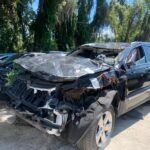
(108, 98)
(74, 132)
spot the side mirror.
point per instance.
(130, 64)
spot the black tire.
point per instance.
(88, 142)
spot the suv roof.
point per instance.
(114, 46)
(110, 45)
(140, 43)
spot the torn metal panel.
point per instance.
(67, 67)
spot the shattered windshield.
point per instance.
(109, 59)
(66, 66)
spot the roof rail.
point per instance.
(139, 42)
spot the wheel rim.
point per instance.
(104, 129)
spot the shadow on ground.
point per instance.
(130, 118)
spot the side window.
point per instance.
(137, 56)
(147, 52)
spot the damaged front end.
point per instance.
(55, 95)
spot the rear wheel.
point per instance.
(98, 137)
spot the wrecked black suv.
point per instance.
(78, 96)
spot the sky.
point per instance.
(93, 11)
(35, 5)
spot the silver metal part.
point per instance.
(104, 129)
(41, 89)
(61, 119)
(46, 106)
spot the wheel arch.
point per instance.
(75, 133)
(112, 98)
(115, 102)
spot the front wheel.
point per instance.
(98, 137)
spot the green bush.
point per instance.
(11, 76)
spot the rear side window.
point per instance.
(147, 52)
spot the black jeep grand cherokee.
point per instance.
(78, 96)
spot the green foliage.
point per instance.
(8, 26)
(66, 24)
(144, 33)
(83, 32)
(44, 24)
(11, 76)
(13, 24)
(127, 21)
(100, 17)
(85, 28)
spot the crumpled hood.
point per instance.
(62, 67)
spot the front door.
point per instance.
(137, 77)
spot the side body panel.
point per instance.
(138, 84)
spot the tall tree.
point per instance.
(44, 24)
(127, 21)
(144, 34)
(25, 17)
(66, 25)
(85, 27)
(12, 24)
(83, 32)
(100, 17)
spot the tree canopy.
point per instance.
(129, 22)
(66, 24)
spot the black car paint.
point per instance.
(129, 100)
(139, 77)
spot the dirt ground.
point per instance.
(132, 131)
